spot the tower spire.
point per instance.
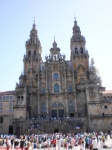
(34, 19)
(74, 17)
(34, 25)
(54, 39)
(54, 43)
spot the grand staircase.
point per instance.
(52, 126)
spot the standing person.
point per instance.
(8, 143)
(12, 141)
(40, 142)
(90, 143)
(22, 143)
(16, 143)
(103, 139)
(81, 143)
(1, 142)
(87, 141)
(94, 144)
(58, 143)
(29, 147)
(72, 143)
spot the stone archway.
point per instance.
(56, 130)
(71, 115)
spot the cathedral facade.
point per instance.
(58, 89)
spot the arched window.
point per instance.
(71, 106)
(54, 105)
(29, 53)
(43, 90)
(70, 89)
(81, 50)
(56, 88)
(43, 107)
(56, 76)
(76, 50)
(60, 105)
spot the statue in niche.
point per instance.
(55, 57)
(34, 112)
(92, 93)
(55, 66)
(81, 110)
(49, 68)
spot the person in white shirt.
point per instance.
(94, 144)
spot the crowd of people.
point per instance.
(84, 141)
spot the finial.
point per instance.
(34, 23)
(75, 22)
(34, 20)
(74, 17)
(54, 38)
(54, 44)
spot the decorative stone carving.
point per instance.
(92, 93)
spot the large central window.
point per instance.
(56, 77)
(56, 88)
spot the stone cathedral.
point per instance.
(57, 94)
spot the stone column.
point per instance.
(66, 104)
(87, 115)
(87, 95)
(47, 106)
(38, 88)
(74, 91)
(66, 98)
(75, 103)
(38, 104)
(38, 97)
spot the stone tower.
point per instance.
(79, 55)
(27, 90)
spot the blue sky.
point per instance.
(54, 18)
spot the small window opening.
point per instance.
(34, 53)
(29, 53)
(76, 50)
(105, 106)
(81, 50)
(103, 114)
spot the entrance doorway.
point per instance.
(10, 129)
(56, 130)
(57, 110)
(71, 114)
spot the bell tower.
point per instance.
(26, 103)
(79, 54)
(33, 53)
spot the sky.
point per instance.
(54, 18)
